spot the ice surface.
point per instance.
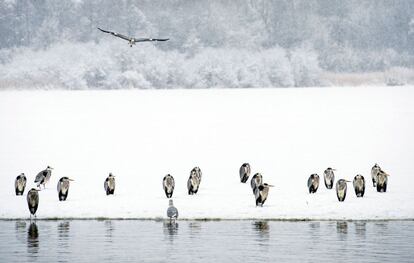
(142, 135)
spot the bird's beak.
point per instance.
(333, 169)
(271, 185)
(347, 181)
(71, 180)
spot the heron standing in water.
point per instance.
(172, 211)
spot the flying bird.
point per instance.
(133, 40)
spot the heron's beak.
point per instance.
(333, 169)
(271, 185)
(347, 181)
(71, 180)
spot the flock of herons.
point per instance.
(379, 180)
(260, 189)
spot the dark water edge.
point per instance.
(206, 241)
(207, 219)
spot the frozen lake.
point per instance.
(206, 241)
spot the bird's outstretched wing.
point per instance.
(150, 39)
(115, 34)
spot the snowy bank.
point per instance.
(140, 136)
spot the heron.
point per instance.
(172, 211)
(132, 40)
(168, 184)
(329, 177)
(43, 177)
(20, 184)
(313, 183)
(359, 185)
(109, 184)
(382, 181)
(256, 180)
(193, 183)
(341, 189)
(197, 172)
(261, 193)
(63, 188)
(33, 201)
(244, 172)
(374, 171)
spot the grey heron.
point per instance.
(20, 184)
(244, 172)
(63, 188)
(132, 40)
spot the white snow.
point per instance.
(141, 135)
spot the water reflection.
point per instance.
(63, 229)
(109, 230)
(195, 228)
(170, 229)
(262, 229)
(20, 230)
(247, 241)
(20, 226)
(342, 229)
(314, 227)
(360, 229)
(381, 228)
(33, 239)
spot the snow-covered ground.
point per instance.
(140, 136)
